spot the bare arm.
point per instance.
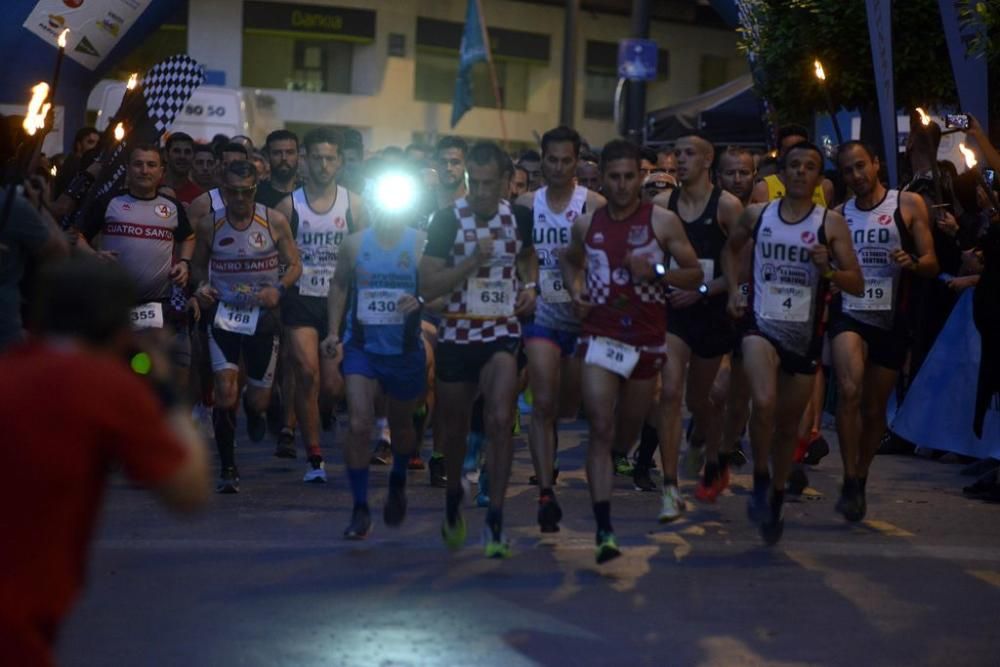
(760, 193)
(343, 276)
(187, 489)
(670, 233)
(729, 213)
(287, 250)
(828, 192)
(914, 212)
(989, 151)
(574, 257)
(204, 232)
(848, 275)
(358, 211)
(526, 200)
(595, 200)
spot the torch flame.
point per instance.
(133, 80)
(54, 171)
(119, 132)
(62, 38)
(970, 156)
(38, 109)
(924, 118)
(820, 74)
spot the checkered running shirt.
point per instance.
(480, 310)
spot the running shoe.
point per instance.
(851, 502)
(256, 421)
(229, 481)
(395, 504)
(549, 514)
(495, 546)
(736, 458)
(641, 478)
(623, 466)
(286, 445)
(801, 447)
(607, 547)
(454, 534)
(315, 471)
(694, 459)
(416, 463)
(673, 505)
(798, 482)
(361, 524)
(436, 470)
(382, 455)
(816, 450)
(773, 525)
(708, 493)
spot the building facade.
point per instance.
(387, 67)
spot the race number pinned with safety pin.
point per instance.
(552, 285)
(147, 316)
(237, 319)
(489, 297)
(612, 355)
(787, 303)
(877, 295)
(380, 306)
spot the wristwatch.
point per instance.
(533, 286)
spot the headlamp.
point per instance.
(395, 192)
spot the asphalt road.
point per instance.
(265, 578)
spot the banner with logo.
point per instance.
(880, 34)
(939, 407)
(95, 26)
(970, 71)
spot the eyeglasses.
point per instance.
(240, 192)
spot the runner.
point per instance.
(588, 175)
(518, 183)
(773, 186)
(383, 351)
(322, 214)
(143, 231)
(699, 331)
(180, 153)
(892, 238)
(282, 152)
(236, 259)
(203, 171)
(550, 341)
(212, 201)
(794, 241)
(531, 162)
(615, 273)
(477, 251)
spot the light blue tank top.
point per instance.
(381, 277)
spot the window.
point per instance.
(601, 78)
(434, 81)
(302, 47)
(516, 57)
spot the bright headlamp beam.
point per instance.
(395, 192)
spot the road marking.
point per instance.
(991, 577)
(886, 528)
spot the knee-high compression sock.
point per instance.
(453, 502)
(358, 479)
(602, 512)
(494, 520)
(397, 475)
(648, 443)
(224, 422)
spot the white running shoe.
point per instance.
(673, 504)
(315, 472)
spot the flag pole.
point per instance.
(493, 72)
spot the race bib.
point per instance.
(707, 267)
(611, 355)
(241, 320)
(787, 303)
(877, 296)
(553, 289)
(744, 295)
(147, 316)
(489, 297)
(380, 306)
(315, 280)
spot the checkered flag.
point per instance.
(167, 88)
(145, 113)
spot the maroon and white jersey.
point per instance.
(626, 310)
(481, 309)
(142, 232)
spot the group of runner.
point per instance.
(609, 296)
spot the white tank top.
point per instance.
(552, 232)
(875, 233)
(319, 236)
(217, 203)
(786, 283)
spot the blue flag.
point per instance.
(472, 51)
(970, 70)
(880, 33)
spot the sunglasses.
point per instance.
(240, 191)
